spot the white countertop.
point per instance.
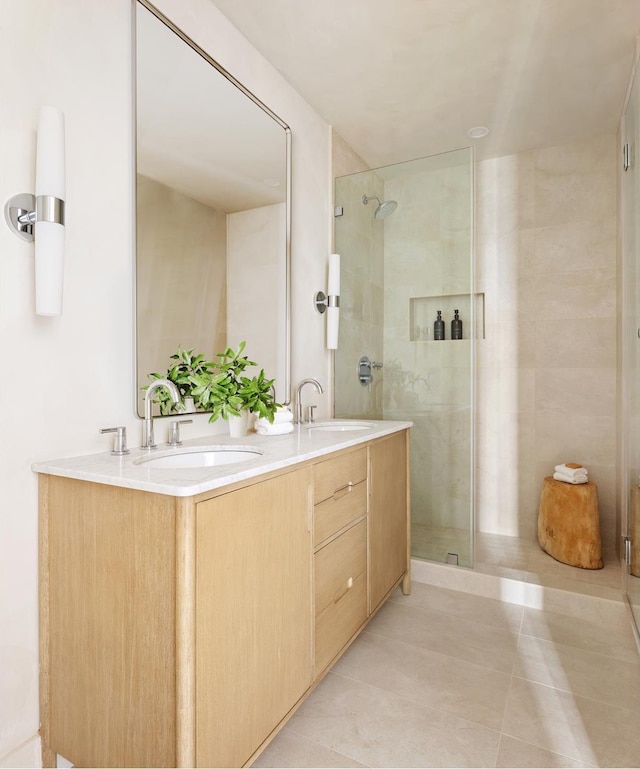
(280, 451)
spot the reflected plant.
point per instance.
(218, 386)
(187, 369)
(401, 383)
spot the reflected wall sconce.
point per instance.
(330, 302)
(40, 217)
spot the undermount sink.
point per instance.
(338, 426)
(205, 456)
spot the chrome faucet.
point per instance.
(148, 442)
(319, 390)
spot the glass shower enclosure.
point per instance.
(631, 349)
(405, 235)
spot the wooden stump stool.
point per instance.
(568, 523)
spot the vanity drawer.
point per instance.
(339, 493)
(332, 475)
(333, 514)
(340, 593)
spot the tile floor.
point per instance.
(444, 678)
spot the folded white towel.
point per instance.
(281, 417)
(282, 429)
(568, 479)
(570, 471)
(283, 414)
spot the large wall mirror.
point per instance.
(212, 210)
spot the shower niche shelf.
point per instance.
(423, 311)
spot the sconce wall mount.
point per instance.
(322, 301)
(330, 302)
(41, 217)
(22, 211)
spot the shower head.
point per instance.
(385, 207)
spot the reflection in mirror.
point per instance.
(212, 210)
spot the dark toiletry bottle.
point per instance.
(438, 327)
(456, 327)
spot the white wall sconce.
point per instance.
(331, 302)
(40, 217)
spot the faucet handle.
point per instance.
(174, 431)
(310, 416)
(120, 441)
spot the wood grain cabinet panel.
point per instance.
(388, 516)
(111, 625)
(340, 592)
(253, 615)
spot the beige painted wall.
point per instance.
(75, 373)
(181, 277)
(255, 288)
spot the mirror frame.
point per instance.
(286, 389)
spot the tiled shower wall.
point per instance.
(546, 393)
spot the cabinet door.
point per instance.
(388, 515)
(253, 614)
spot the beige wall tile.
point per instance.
(583, 343)
(584, 391)
(581, 245)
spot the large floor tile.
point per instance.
(514, 753)
(573, 726)
(295, 750)
(581, 633)
(463, 689)
(455, 603)
(381, 729)
(589, 674)
(488, 645)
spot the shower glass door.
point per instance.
(401, 265)
(631, 347)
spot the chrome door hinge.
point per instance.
(627, 550)
(626, 156)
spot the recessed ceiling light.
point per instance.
(271, 182)
(478, 132)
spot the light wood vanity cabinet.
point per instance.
(185, 631)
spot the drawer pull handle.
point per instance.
(343, 491)
(342, 595)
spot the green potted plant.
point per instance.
(226, 392)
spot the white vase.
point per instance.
(238, 426)
(189, 405)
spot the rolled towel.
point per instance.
(570, 479)
(282, 429)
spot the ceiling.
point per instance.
(401, 79)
